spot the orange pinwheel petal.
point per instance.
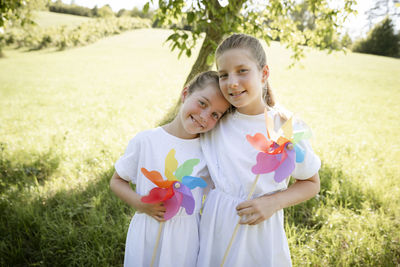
(259, 142)
(156, 178)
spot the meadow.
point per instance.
(66, 116)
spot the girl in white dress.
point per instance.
(261, 239)
(173, 144)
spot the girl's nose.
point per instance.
(233, 82)
(203, 115)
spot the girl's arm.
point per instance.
(124, 191)
(262, 208)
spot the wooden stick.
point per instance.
(160, 227)
(253, 187)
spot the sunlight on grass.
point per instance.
(50, 19)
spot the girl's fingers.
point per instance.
(245, 211)
(163, 209)
(256, 221)
(243, 205)
(249, 219)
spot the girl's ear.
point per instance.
(265, 73)
(185, 94)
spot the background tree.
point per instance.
(268, 20)
(382, 9)
(105, 12)
(381, 40)
(16, 12)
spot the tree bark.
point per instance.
(206, 49)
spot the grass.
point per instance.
(66, 116)
(46, 19)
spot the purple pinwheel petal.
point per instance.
(188, 200)
(299, 154)
(287, 166)
(172, 205)
(265, 163)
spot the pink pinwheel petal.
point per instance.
(265, 163)
(259, 142)
(172, 205)
(287, 166)
(188, 200)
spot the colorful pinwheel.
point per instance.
(274, 155)
(175, 191)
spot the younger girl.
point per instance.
(202, 106)
(261, 239)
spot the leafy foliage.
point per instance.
(62, 37)
(269, 20)
(381, 40)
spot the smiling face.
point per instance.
(241, 80)
(202, 109)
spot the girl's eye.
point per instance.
(202, 104)
(215, 116)
(243, 70)
(221, 76)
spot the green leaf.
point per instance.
(210, 59)
(146, 8)
(190, 17)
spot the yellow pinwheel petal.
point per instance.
(170, 165)
(287, 129)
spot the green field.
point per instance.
(46, 19)
(66, 117)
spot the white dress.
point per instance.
(179, 242)
(229, 158)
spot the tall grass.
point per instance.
(66, 116)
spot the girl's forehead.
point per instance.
(235, 57)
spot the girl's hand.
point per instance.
(257, 210)
(155, 211)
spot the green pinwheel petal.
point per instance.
(298, 136)
(186, 168)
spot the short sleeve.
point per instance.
(310, 164)
(127, 165)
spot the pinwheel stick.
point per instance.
(160, 227)
(253, 187)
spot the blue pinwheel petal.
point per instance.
(193, 182)
(299, 154)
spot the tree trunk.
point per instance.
(207, 48)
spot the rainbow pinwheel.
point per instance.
(175, 191)
(274, 155)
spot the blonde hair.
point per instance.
(202, 79)
(255, 48)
